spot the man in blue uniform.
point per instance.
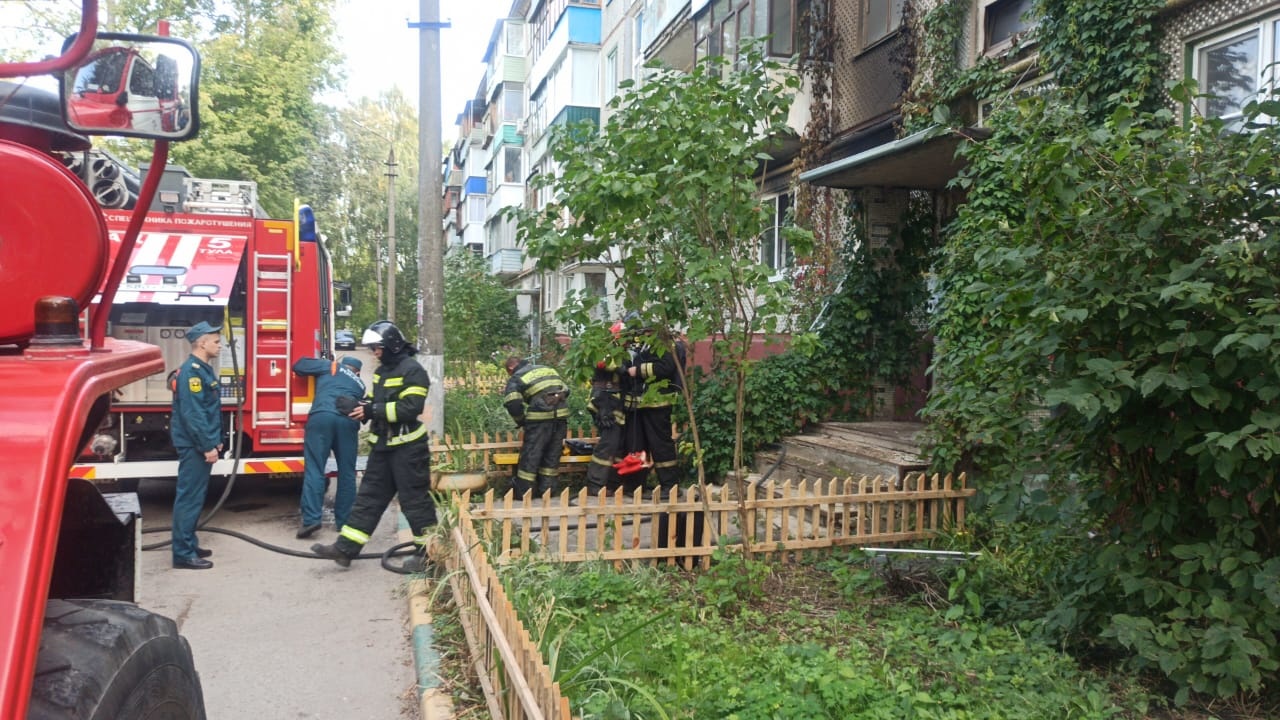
(196, 430)
(399, 458)
(338, 390)
(535, 398)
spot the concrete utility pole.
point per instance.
(391, 235)
(430, 225)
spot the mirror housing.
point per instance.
(142, 86)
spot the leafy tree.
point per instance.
(351, 200)
(1122, 276)
(264, 62)
(669, 189)
(480, 316)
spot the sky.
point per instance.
(382, 51)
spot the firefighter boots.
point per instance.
(333, 553)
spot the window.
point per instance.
(1003, 19)
(611, 75)
(1234, 69)
(511, 164)
(515, 38)
(774, 250)
(881, 18)
(721, 28)
(475, 208)
(512, 102)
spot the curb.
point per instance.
(434, 703)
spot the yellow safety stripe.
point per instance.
(513, 395)
(548, 414)
(666, 463)
(390, 410)
(598, 461)
(408, 437)
(353, 535)
(377, 379)
(547, 384)
(646, 369)
(414, 390)
(526, 475)
(393, 382)
(549, 472)
(420, 540)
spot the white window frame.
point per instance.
(610, 74)
(507, 177)
(774, 250)
(1266, 71)
(987, 48)
(476, 207)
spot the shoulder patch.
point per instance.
(194, 384)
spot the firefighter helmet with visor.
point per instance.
(386, 335)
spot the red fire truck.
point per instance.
(207, 253)
(72, 644)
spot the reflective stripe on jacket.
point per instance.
(398, 395)
(540, 389)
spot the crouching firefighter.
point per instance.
(536, 399)
(399, 459)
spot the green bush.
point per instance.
(1121, 276)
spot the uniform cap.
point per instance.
(201, 329)
(352, 362)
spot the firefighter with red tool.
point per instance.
(658, 363)
(399, 458)
(197, 436)
(607, 410)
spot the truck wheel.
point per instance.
(109, 660)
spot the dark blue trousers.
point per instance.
(188, 501)
(329, 432)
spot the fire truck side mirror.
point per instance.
(342, 298)
(135, 86)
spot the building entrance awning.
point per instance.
(925, 161)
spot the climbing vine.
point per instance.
(816, 208)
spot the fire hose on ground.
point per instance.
(398, 550)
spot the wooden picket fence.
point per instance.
(788, 518)
(516, 680)
(784, 518)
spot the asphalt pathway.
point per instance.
(284, 637)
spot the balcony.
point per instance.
(507, 261)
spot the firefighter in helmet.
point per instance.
(607, 410)
(399, 459)
(536, 398)
(656, 369)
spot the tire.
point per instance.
(108, 660)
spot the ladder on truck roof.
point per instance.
(221, 197)
(271, 340)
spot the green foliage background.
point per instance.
(1107, 364)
